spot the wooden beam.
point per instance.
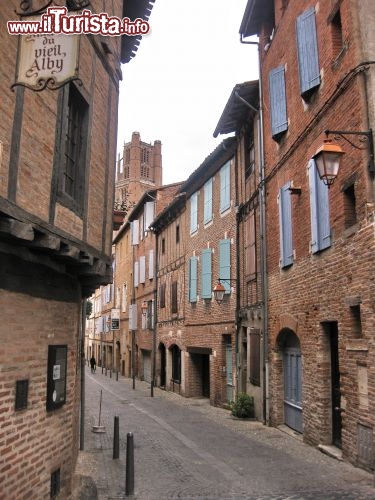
(16, 229)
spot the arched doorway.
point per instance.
(292, 368)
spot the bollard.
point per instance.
(117, 376)
(152, 388)
(129, 480)
(102, 370)
(110, 373)
(106, 371)
(116, 439)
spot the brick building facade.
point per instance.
(317, 73)
(56, 218)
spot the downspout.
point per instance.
(155, 319)
(238, 277)
(263, 241)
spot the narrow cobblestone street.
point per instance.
(185, 448)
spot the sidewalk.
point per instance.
(100, 477)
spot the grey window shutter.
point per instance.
(206, 273)
(319, 210)
(307, 47)
(279, 117)
(286, 236)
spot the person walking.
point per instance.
(93, 364)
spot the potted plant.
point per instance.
(243, 407)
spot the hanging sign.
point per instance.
(47, 60)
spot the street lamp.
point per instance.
(328, 156)
(219, 290)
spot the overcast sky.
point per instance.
(176, 87)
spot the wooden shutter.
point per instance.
(208, 201)
(319, 211)
(224, 264)
(307, 48)
(206, 273)
(225, 187)
(193, 270)
(136, 273)
(135, 232)
(151, 264)
(142, 269)
(279, 117)
(285, 217)
(148, 214)
(194, 212)
(250, 246)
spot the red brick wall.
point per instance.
(319, 287)
(35, 442)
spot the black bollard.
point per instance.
(152, 388)
(106, 371)
(116, 439)
(110, 373)
(117, 376)
(129, 480)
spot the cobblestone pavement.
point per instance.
(185, 448)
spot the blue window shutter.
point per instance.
(307, 48)
(224, 264)
(279, 117)
(208, 201)
(286, 236)
(206, 273)
(319, 210)
(193, 270)
(225, 187)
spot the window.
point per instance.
(177, 234)
(176, 364)
(225, 187)
(249, 152)
(206, 273)
(55, 483)
(279, 119)
(145, 155)
(194, 213)
(336, 32)
(250, 248)
(74, 130)
(319, 210)
(148, 214)
(285, 219)
(163, 246)
(356, 323)
(224, 264)
(350, 215)
(174, 308)
(193, 275)
(307, 49)
(255, 356)
(208, 201)
(127, 155)
(162, 295)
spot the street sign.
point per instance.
(115, 319)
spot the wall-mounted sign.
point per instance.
(115, 319)
(47, 61)
(56, 376)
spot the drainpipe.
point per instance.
(83, 364)
(263, 252)
(155, 319)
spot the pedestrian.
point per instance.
(93, 364)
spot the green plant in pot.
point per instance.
(243, 407)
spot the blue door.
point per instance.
(293, 388)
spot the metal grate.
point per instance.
(22, 391)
